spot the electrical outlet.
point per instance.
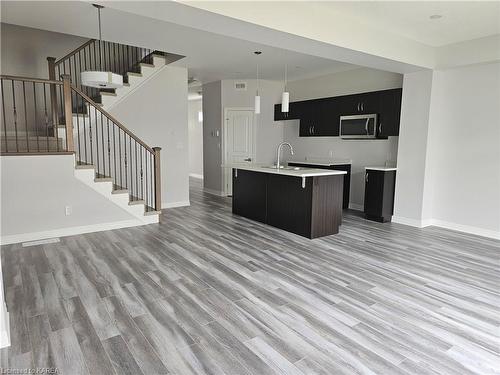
(68, 210)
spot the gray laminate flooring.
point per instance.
(206, 292)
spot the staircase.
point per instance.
(60, 116)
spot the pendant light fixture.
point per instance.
(100, 78)
(257, 96)
(285, 97)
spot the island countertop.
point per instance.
(288, 171)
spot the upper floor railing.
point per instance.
(99, 55)
(44, 116)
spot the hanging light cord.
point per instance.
(258, 78)
(286, 71)
(99, 19)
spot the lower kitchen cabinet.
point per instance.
(249, 194)
(379, 194)
(335, 167)
(281, 201)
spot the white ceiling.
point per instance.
(461, 21)
(209, 56)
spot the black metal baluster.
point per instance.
(114, 151)
(95, 57)
(103, 152)
(109, 57)
(84, 131)
(77, 128)
(96, 139)
(4, 122)
(125, 157)
(35, 118)
(46, 116)
(136, 179)
(15, 113)
(26, 118)
(130, 162)
(142, 180)
(109, 150)
(151, 178)
(90, 133)
(120, 154)
(146, 189)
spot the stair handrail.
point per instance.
(138, 188)
(74, 52)
(108, 115)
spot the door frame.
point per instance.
(225, 119)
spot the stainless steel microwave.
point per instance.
(358, 126)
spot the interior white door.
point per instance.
(238, 141)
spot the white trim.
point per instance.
(198, 176)
(411, 222)
(447, 225)
(4, 326)
(223, 142)
(467, 229)
(70, 231)
(357, 207)
(175, 204)
(214, 192)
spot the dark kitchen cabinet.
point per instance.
(321, 117)
(390, 113)
(379, 194)
(335, 167)
(249, 194)
(310, 208)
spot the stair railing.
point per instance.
(115, 152)
(43, 116)
(34, 112)
(101, 56)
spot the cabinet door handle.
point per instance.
(358, 106)
(248, 159)
(310, 129)
(366, 177)
(313, 128)
(380, 128)
(362, 106)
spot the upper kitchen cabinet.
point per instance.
(318, 119)
(389, 113)
(321, 117)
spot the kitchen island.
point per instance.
(304, 201)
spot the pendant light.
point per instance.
(100, 78)
(257, 96)
(285, 97)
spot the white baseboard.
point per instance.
(198, 176)
(447, 225)
(411, 222)
(357, 207)
(214, 192)
(71, 231)
(467, 229)
(175, 204)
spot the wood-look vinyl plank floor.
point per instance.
(207, 292)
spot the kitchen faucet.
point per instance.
(278, 152)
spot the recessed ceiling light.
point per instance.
(436, 16)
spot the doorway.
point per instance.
(239, 141)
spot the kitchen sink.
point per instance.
(283, 168)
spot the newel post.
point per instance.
(53, 92)
(157, 178)
(68, 112)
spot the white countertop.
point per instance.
(322, 162)
(302, 172)
(385, 169)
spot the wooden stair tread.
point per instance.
(102, 178)
(148, 210)
(82, 165)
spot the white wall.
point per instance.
(157, 112)
(212, 121)
(25, 50)
(221, 95)
(195, 135)
(412, 149)
(449, 150)
(35, 191)
(361, 152)
(464, 149)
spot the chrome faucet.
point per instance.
(278, 152)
